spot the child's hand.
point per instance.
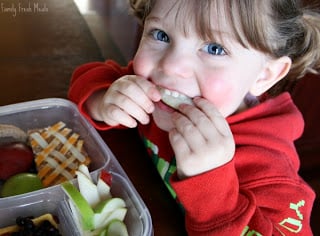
(128, 100)
(201, 139)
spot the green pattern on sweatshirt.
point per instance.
(164, 168)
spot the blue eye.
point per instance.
(160, 35)
(214, 49)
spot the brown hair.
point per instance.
(275, 27)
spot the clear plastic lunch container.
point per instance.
(46, 112)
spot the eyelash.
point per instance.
(163, 37)
(219, 50)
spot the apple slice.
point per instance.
(84, 170)
(81, 204)
(20, 184)
(105, 209)
(118, 214)
(106, 177)
(103, 190)
(115, 228)
(88, 189)
(93, 203)
(173, 98)
(75, 214)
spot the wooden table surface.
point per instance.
(38, 52)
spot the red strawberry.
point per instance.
(106, 177)
(14, 158)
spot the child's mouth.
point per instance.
(173, 98)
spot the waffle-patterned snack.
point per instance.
(58, 153)
(36, 222)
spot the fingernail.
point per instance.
(150, 108)
(155, 94)
(175, 115)
(196, 99)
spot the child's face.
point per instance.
(184, 62)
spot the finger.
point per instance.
(115, 116)
(211, 115)
(220, 131)
(142, 91)
(189, 131)
(199, 120)
(178, 143)
(130, 107)
(150, 89)
(131, 90)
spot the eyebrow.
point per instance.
(221, 34)
(153, 18)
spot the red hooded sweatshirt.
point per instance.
(259, 192)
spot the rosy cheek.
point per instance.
(138, 65)
(218, 92)
(141, 64)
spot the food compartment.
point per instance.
(46, 112)
(137, 220)
(42, 113)
(36, 205)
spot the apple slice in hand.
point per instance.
(174, 99)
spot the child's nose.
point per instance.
(177, 63)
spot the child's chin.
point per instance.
(162, 119)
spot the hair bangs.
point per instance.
(211, 18)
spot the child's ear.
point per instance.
(272, 73)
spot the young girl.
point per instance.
(205, 89)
